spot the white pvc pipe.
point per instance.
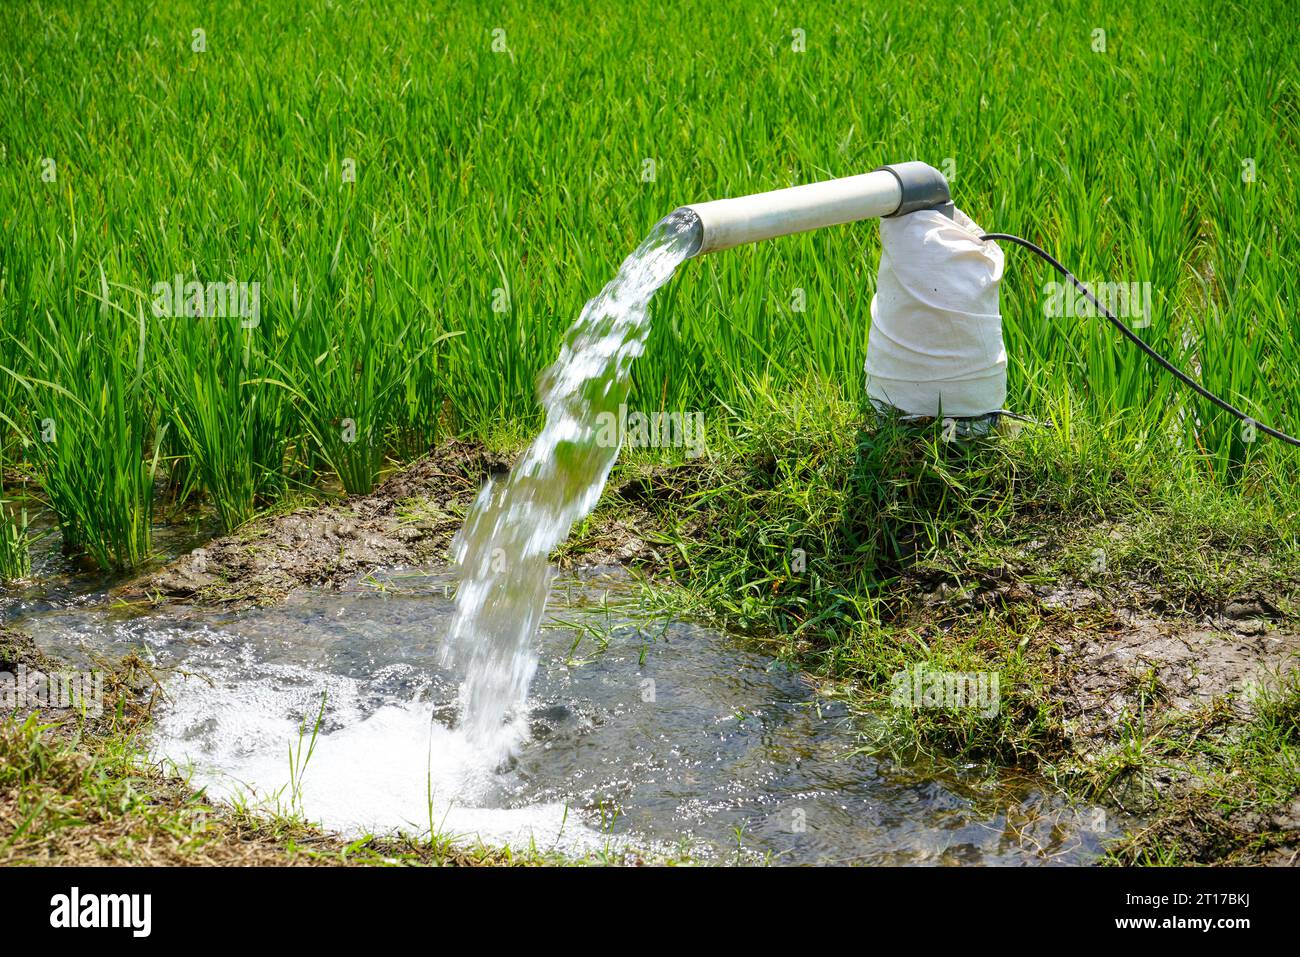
(745, 219)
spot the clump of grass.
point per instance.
(836, 506)
(15, 540)
(15, 543)
(229, 423)
(88, 422)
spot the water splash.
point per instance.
(502, 552)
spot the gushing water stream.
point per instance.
(502, 552)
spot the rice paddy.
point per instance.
(424, 195)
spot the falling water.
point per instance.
(503, 550)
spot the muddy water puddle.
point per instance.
(640, 731)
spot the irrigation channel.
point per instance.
(493, 702)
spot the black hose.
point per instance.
(1134, 338)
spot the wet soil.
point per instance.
(409, 518)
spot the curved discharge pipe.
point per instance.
(889, 191)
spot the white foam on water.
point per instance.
(394, 769)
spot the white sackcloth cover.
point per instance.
(935, 343)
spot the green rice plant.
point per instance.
(15, 542)
(92, 428)
(349, 366)
(230, 424)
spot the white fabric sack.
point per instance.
(935, 343)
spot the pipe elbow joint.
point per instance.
(922, 187)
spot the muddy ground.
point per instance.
(1117, 664)
(410, 518)
(1191, 664)
(1169, 681)
(1155, 715)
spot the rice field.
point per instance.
(258, 250)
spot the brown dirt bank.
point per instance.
(409, 518)
(1191, 722)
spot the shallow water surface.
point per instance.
(58, 580)
(639, 732)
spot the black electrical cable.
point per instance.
(1133, 337)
